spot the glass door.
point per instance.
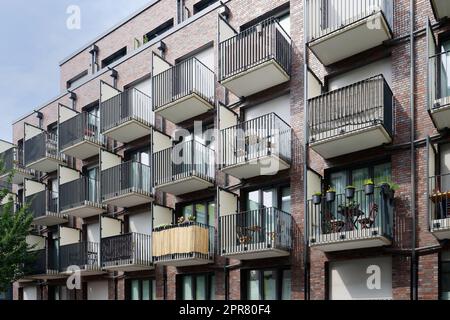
(92, 192)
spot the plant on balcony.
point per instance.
(389, 188)
(350, 192)
(369, 186)
(181, 220)
(317, 198)
(191, 218)
(331, 194)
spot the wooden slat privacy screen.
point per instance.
(181, 240)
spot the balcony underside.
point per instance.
(268, 165)
(185, 185)
(349, 142)
(352, 39)
(441, 113)
(441, 228)
(184, 108)
(187, 262)
(129, 198)
(256, 79)
(86, 270)
(127, 265)
(50, 219)
(88, 209)
(83, 150)
(128, 131)
(441, 8)
(50, 275)
(47, 164)
(251, 252)
(350, 240)
(19, 175)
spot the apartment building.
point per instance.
(250, 149)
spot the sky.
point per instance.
(35, 38)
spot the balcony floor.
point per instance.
(441, 228)
(86, 271)
(184, 262)
(185, 185)
(84, 211)
(352, 39)
(184, 108)
(47, 164)
(50, 219)
(50, 275)
(128, 199)
(83, 150)
(19, 176)
(257, 167)
(256, 79)
(128, 131)
(350, 142)
(127, 266)
(241, 253)
(441, 115)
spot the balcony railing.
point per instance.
(42, 203)
(81, 254)
(439, 79)
(178, 244)
(328, 16)
(352, 108)
(8, 158)
(255, 231)
(126, 249)
(38, 263)
(257, 138)
(128, 177)
(126, 106)
(253, 47)
(183, 79)
(361, 218)
(186, 159)
(44, 145)
(439, 202)
(78, 193)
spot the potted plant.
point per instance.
(331, 194)
(181, 220)
(389, 188)
(317, 198)
(369, 186)
(191, 218)
(349, 192)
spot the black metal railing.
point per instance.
(44, 145)
(126, 106)
(439, 90)
(253, 139)
(81, 254)
(439, 201)
(37, 264)
(358, 218)
(80, 192)
(42, 203)
(185, 78)
(130, 248)
(327, 16)
(83, 127)
(255, 230)
(186, 159)
(355, 107)
(125, 178)
(254, 46)
(7, 158)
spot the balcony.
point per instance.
(80, 136)
(365, 221)
(256, 59)
(351, 119)
(261, 146)
(341, 29)
(41, 152)
(13, 163)
(441, 8)
(256, 234)
(44, 207)
(184, 91)
(439, 206)
(182, 245)
(127, 252)
(42, 266)
(80, 198)
(184, 168)
(84, 255)
(127, 116)
(439, 90)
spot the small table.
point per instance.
(351, 216)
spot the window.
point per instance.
(142, 289)
(158, 31)
(271, 197)
(202, 211)
(267, 284)
(203, 4)
(76, 80)
(444, 70)
(114, 57)
(197, 287)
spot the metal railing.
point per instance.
(255, 230)
(42, 203)
(44, 145)
(126, 106)
(125, 249)
(80, 192)
(125, 178)
(254, 46)
(8, 159)
(439, 201)
(354, 107)
(327, 16)
(82, 127)
(38, 263)
(439, 90)
(185, 78)
(81, 254)
(361, 217)
(256, 138)
(186, 159)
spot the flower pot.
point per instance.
(349, 193)
(369, 189)
(317, 199)
(331, 196)
(386, 188)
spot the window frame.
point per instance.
(279, 187)
(119, 54)
(210, 278)
(206, 202)
(128, 291)
(279, 271)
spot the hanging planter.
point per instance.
(317, 198)
(386, 188)
(331, 195)
(349, 192)
(369, 187)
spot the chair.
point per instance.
(368, 222)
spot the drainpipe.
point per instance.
(414, 295)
